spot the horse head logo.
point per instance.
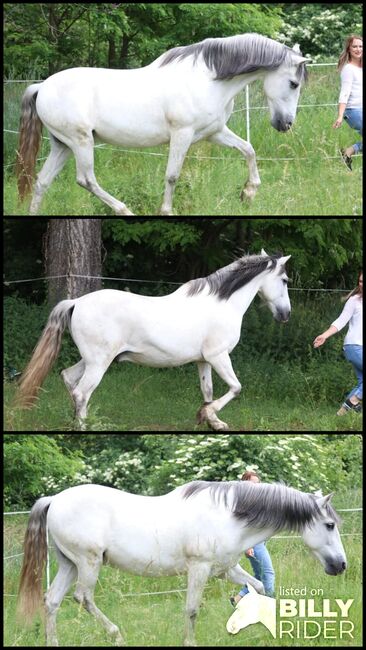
(253, 608)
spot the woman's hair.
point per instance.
(248, 475)
(357, 291)
(346, 54)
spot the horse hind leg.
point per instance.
(88, 571)
(82, 391)
(60, 586)
(84, 156)
(56, 160)
(72, 376)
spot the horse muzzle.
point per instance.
(335, 567)
(282, 316)
(282, 123)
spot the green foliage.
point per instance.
(159, 463)
(320, 29)
(28, 460)
(119, 35)
(23, 326)
(51, 37)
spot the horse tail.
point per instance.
(30, 131)
(44, 354)
(35, 553)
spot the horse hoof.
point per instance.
(222, 426)
(202, 415)
(248, 194)
(125, 212)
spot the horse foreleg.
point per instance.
(221, 363)
(205, 375)
(198, 574)
(230, 139)
(240, 577)
(180, 142)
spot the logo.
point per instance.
(331, 621)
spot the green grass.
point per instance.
(132, 398)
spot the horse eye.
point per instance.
(285, 281)
(330, 526)
(293, 84)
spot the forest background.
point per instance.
(42, 38)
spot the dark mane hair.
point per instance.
(224, 282)
(263, 504)
(235, 55)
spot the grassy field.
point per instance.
(131, 398)
(302, 172)
(157, 619)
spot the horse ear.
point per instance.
(298, 59)
(251, 589)
(296, 48)
(283, 260)
(263, 253)
(322, 501)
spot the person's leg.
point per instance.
(353, 354)
(353, 117)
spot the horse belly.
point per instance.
(159, 357)
(132, 130)
(152, 564)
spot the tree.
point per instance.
(72, 248)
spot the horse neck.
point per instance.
(243, 298)
(231, 87)
(250, 536)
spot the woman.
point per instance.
(259, 558)
(350, 98)
(351, 314)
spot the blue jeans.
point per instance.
(263, 569)
(353, 117)
(353, 353)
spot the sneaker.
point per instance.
(349, 406)
(346, 159)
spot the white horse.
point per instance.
(186, 95)
(200, 528)
(200, 322)
(253, 608)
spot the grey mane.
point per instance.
(224, 282)
(235, 55)
(264, 504)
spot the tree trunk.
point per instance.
(72, 247)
